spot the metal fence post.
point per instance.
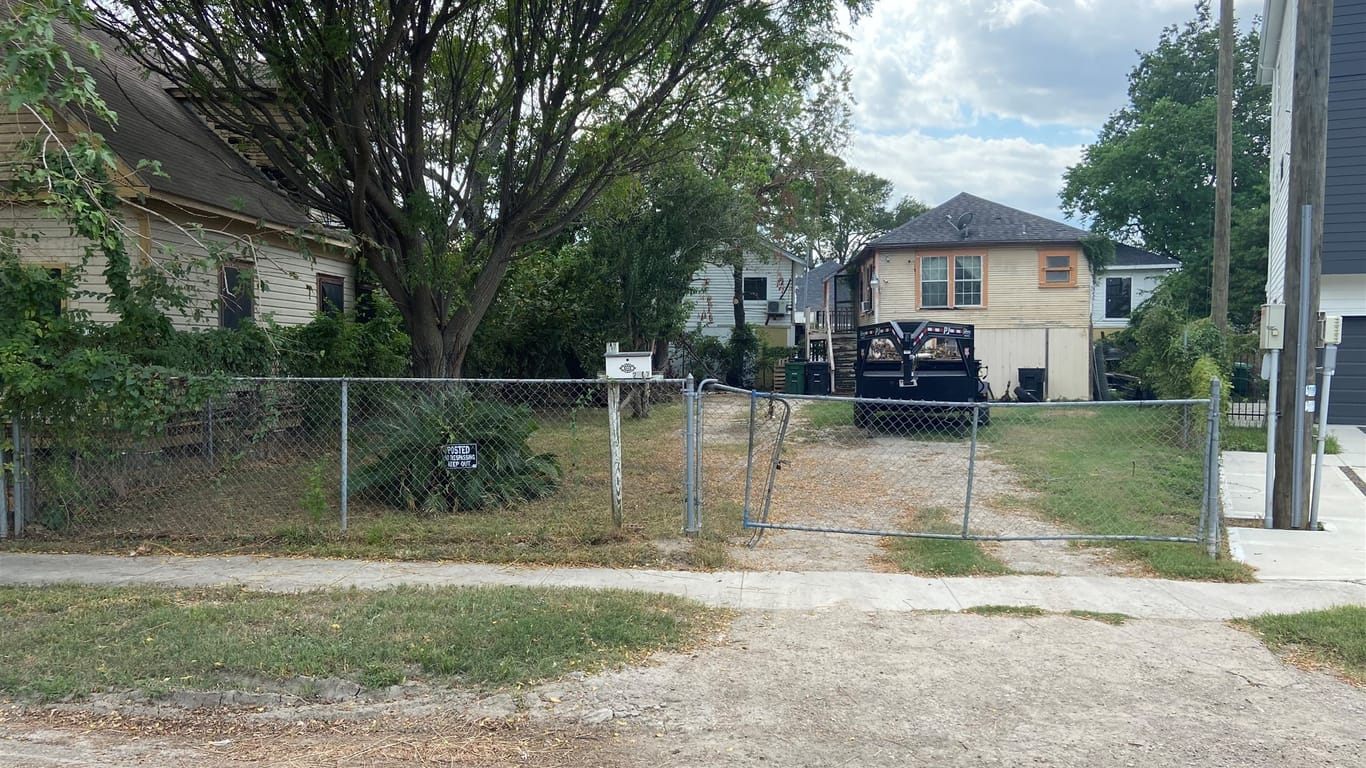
(20, 497)
(689, 468)
(1213, 508)
(345, 446)
(4, 495)
(749, 460)
(972, 467)
(207, 437)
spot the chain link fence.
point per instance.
(424, 467)
(519, 470)
(1137, 470)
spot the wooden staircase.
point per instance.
(846, 349)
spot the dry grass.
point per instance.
(289, 503)
(218, 737)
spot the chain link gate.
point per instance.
(1098, 471)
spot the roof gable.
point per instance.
(196, 164)
(1129, 256)
(983, 221)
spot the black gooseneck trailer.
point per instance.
(919, 361)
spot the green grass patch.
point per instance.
(1134, 470)
(940, 557)
(1254, 439)
(1334, 639)
(68, 640)
(823, 414)
(1106, 618)
(1005, 610)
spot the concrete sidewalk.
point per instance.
(1143, 598)
(1338, 552)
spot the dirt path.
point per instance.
(836, 687)
(842, 477)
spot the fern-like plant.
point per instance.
(405, 465)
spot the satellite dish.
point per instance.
(961, 223)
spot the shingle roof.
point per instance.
(153, 125)
(810, 285)
(1129, 256)
(986, 222)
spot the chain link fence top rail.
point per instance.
(1037, 471)
(441, 462)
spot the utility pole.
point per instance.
(1308, 155)
(1223, 171)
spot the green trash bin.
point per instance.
(794, 377)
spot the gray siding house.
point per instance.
(767, 282)
(1342, 290)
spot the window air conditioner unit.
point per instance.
(776, 308)
(866, 306)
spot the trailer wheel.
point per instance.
(984, 420)
(863, 416)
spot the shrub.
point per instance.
(406, 467)
(343, 345)
(1204, 369)
(1165, 349)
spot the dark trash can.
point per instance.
(817, 379)
(1032, 382)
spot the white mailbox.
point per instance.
(628, 365)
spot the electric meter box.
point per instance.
(1273, 326)
(1331, 329)
(629, 365)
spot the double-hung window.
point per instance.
(951, 281)
(234, 295)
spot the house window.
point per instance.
(1118, 291)
(1057, 269)
(58, 303)
(967, 281)
(234, 296)
(950, 281)
(331, 294)
(934, 281)
(756, 289)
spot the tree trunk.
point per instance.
(440, 344)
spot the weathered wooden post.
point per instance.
(614, 431)
(620, 366)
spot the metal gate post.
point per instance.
(1209, 518)
(690, 527)
(20, 469)
(4, 495)
(345, 446)
(972, 468)
(749, 459)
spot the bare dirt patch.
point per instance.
(876, 689)
(842, 477)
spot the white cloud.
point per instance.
(995, 97)
(931, 63)
(1012, 171)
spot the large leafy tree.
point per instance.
(1148, 179)
(450, 137)
(622, 275)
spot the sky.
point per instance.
(995, 97)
